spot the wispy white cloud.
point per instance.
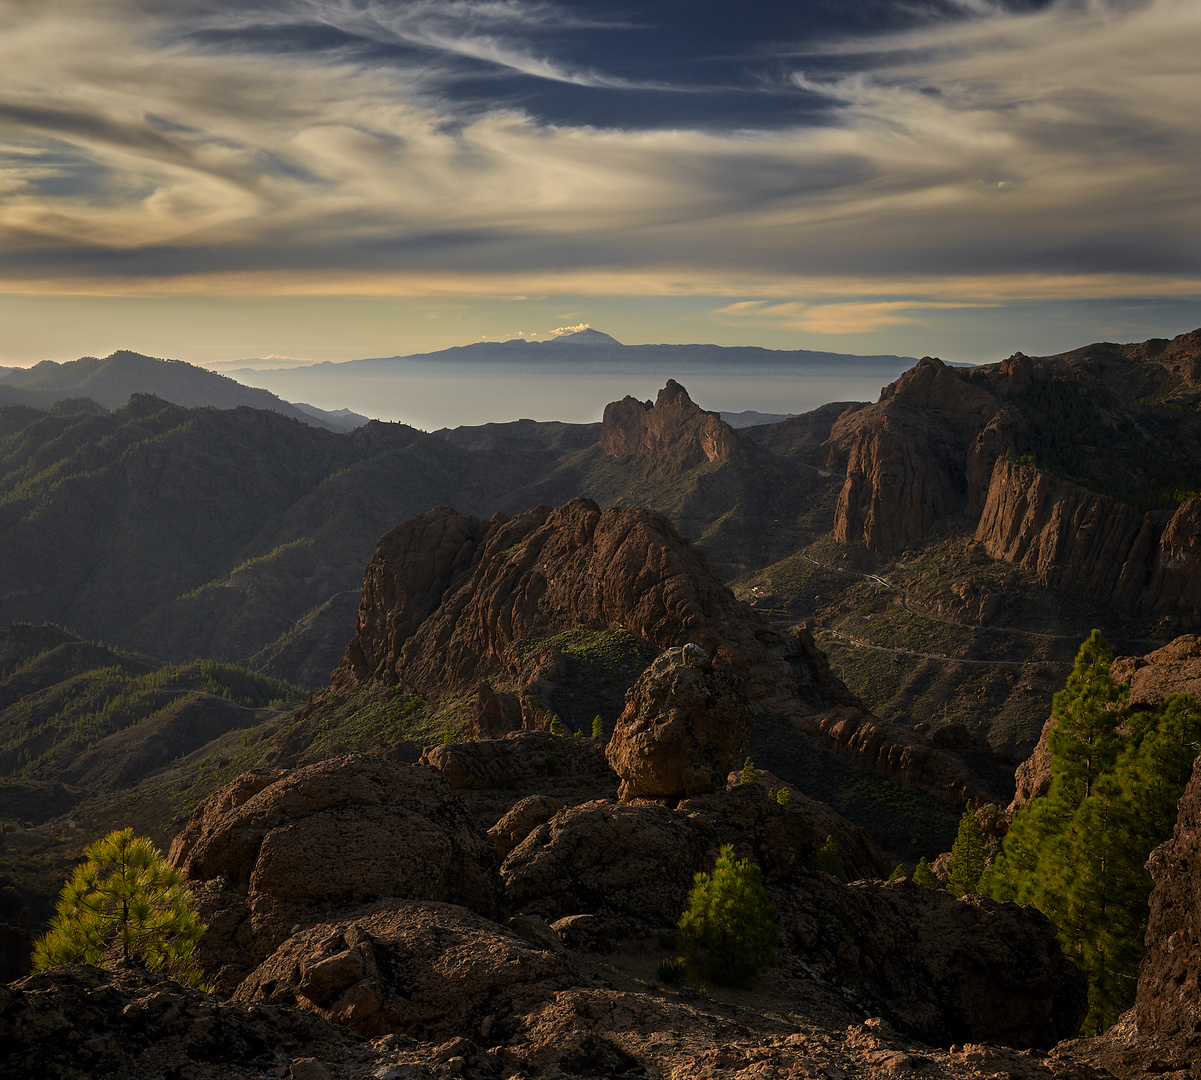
(1038, 154)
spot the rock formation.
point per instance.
(684, 726)
(519, 759)
(921, 456)
(345, 831)
(672, 436)
(947, 970)
(421, 971)
(1168, 1000)
(1174, 669)
(1094, 545)
(450, 602)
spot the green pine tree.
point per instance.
(748, 774)
(969, 853)
(124, 896)
(598, 727)
(729, 928)
(828, 859)
(1077, 853)
(898, 872)
(556, 725)
(923, 875)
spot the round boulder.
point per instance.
(684, 726)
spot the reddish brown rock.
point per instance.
(1075, 539)
(1174, 669)
(684, 726)
(946, 970)
(672, 436)
(85, 1022)
(517, 759)
(638, 861)
(426, 971)
(340, 832)
(918, 457)
(523, 818)
(1168, 1000)
(449, 601)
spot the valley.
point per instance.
(898, 588)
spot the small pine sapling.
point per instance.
(748, 774)
(898, 873)
(729, 928)
(598, 727)
(124, 897)
(828, 859)
(923, 875)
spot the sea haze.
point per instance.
(572, 378)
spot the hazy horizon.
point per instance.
(332, 179)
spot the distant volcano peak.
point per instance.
(587, 336)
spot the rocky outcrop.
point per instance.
(447, 597)
(637, 861)
(946, 970)
(1174, 669)
(345, 831)
(920, 456)
(1148, 563)
(684, 726)
(521, 819)
(517, 760)
(1168, 1000)
(421, 971)
(450, 602)
(82, 1021)
(672, 436)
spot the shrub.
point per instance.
(671, 972)
(556, 725)
(898, 873)
(923, 875)
(783, 796)
(729, 928)
(828, 859)
(125, 895)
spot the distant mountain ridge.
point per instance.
(111, 382)
(590, 345)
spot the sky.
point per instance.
(330, 179)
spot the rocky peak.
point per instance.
(672, 435)
(921, 455)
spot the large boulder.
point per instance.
(946, 970)
(344, 831)
(685, 725)
(425, 971)
(637, 862)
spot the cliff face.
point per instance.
(1075, 539)
(451, 601)
(918, 457)
(673, 435)
(447, 597)
(1168, 1000)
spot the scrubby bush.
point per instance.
(672, 972)
(125, 901)
(828, 859)
(729, 929)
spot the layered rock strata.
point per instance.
(1094, 545)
